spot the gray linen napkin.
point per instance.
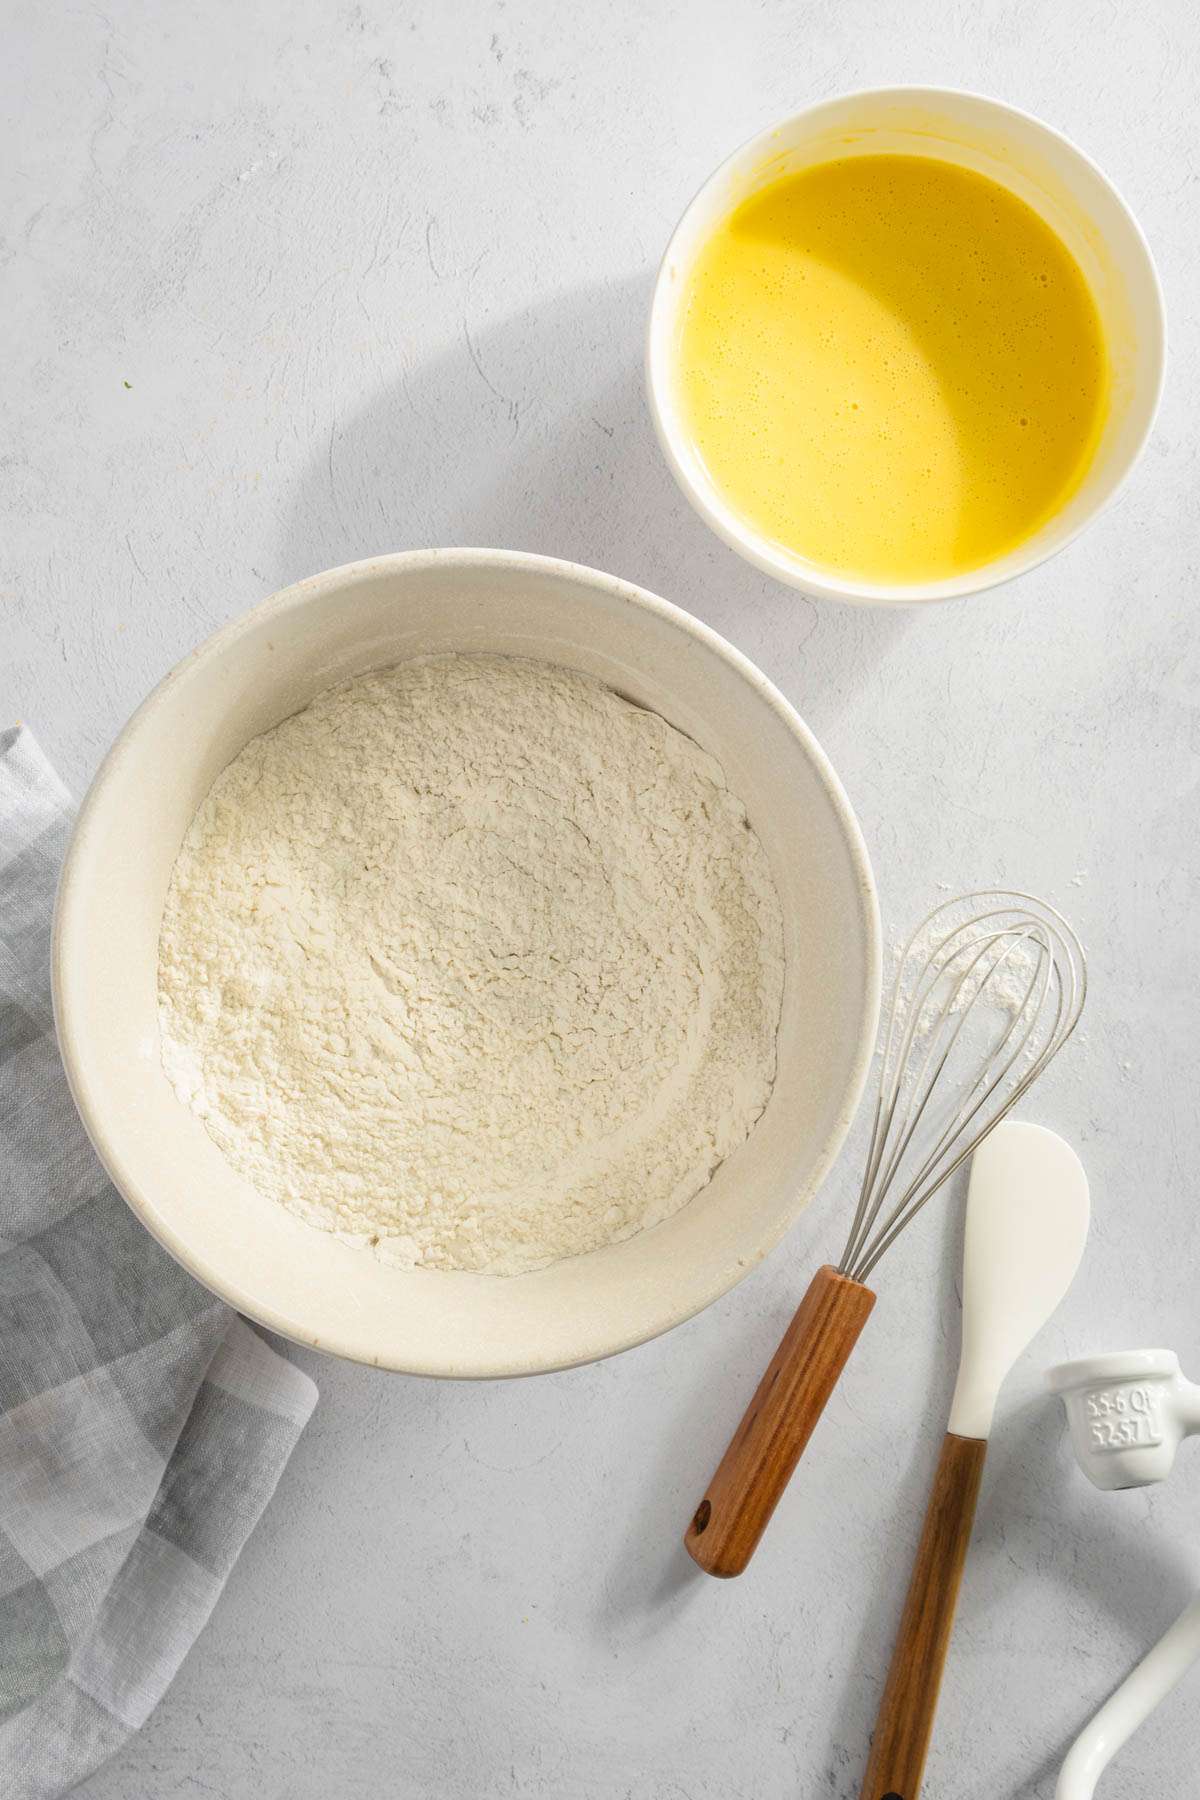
(143, 1426)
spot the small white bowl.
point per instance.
(1038, 165)
(306, 1283)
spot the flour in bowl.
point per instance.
(474, 961)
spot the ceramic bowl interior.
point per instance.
(1032, 161)
(306, 1283)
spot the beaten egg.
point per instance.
(891, 366)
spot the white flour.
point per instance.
(475, 961)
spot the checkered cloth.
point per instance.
(143, 1426)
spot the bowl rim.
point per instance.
(69, 957)
(825, 584)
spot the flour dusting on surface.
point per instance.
(1005, 977)
(474, 961)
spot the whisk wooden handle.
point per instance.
(905, 1720)
(777, 1424)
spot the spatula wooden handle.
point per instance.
(777, 1424)
(905, 1719)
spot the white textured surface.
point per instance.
(376, 277)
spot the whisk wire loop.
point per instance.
(940, 1094)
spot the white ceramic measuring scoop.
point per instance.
(1027, 1222)
(1129, 1412)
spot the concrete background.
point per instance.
(289, 284)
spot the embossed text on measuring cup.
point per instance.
(1120, 1417)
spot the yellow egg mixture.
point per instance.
(891, 366)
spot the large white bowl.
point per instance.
(1034, 162)
(304, 1282)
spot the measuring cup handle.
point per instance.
(778, 1423)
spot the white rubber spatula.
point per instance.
(1027, 1222)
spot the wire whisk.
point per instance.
(979, 1008)
(989, 988)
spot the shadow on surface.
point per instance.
(1140, 1581)
(533, 433)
